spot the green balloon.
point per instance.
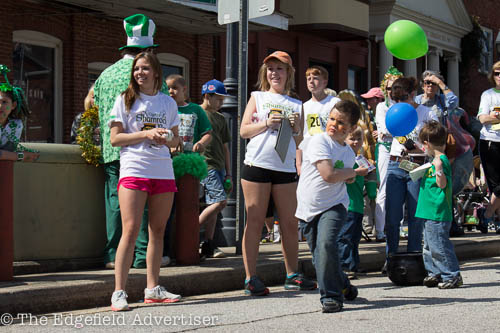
(406, 40)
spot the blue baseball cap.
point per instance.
(214, 87)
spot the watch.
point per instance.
(20, 156)
(446, 88)
(439, 173)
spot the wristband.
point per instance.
(20, 156)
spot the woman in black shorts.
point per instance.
(265, 173)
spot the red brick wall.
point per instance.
(475, 83)
(89, 38)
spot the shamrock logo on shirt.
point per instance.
(339, 164)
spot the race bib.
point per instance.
(314, 124)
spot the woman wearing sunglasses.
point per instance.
(489, 145)
(432, 83)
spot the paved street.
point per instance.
(380, 307)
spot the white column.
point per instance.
(433, 58)
(385, 60)
(410, 68)
(453, 80)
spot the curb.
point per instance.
(47, 293)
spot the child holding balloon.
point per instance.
(404, 120)
(435, 208)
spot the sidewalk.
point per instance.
(64, 291)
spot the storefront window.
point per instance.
(33, 69)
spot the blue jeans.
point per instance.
(322, 235)
(460, 171)
(350, 236)
(214, 186)
(439, 255)
(400, 189)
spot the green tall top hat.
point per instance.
(140, 30)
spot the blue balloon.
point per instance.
(401, 119)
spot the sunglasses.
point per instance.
(496, 73)
(388, 88)
(430, 83)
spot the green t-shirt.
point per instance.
(194, 124)
(434, 203)
(110, 84)
(355, 192)
(214, 151)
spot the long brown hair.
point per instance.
(263, 85)
(133, 91)
(402, 88)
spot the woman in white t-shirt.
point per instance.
(265, 173)
(384, 141)
(489, 145)
(400, 189)
(144, 122)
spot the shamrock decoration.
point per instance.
(339, 164)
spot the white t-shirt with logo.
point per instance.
(146, 159)
(314, 194)
(316, 115)
(489, 99)
(424, 114)
(260, 150)
(380, 113)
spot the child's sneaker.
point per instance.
(218, 253)
(299, 282)
(119, 301)
(350, 293)
(255, 287)
(268, 238)
(431, 281)
(451, 284)
(331, 306)
(160, 295)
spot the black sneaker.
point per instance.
(431, 281)
(350, 293)
(299, 282)
(451, 284)
(331, 306)
(255, 287)
(207, 249)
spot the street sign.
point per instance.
(229, 10)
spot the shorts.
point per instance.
(214, 186)
(261, 175)
(489, 152)
(152, 186)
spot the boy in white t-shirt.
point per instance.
(317, 109)
(323, 201)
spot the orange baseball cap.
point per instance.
(281, 56)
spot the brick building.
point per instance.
(474, 75)
(56, 49)
(59, 49)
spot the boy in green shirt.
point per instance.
(350, 234)
(194, 129)
(219, 165)
(435, 208)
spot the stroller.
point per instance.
(470, 203)
(469, 209)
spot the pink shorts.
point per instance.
(152, 186)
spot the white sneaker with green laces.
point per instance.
(119, 301)
(160, 295)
